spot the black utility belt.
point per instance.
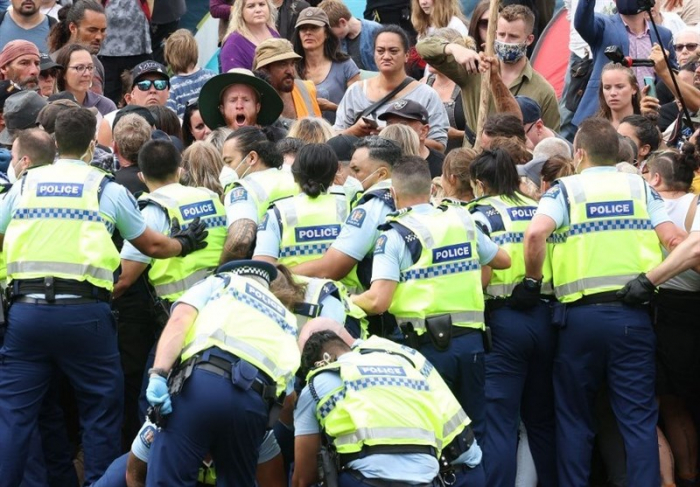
(240, 372)
(61, 301)
(499, 303)
(368, 450)
(49, 287)
(439, 331)
(608, 298)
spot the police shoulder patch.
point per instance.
(146, 435)
(238, 194)
(655, 195)
(263, 224)
(552, 192)
(357, 217)
(380, 245)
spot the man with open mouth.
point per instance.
(238, 99)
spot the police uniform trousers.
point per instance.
(210, 414)
(617, 343)
(519, 386)
(79, 339)
(462, 368)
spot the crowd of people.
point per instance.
(334, 260)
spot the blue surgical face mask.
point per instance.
(509, 53)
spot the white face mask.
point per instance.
(245, 159)
(351, 187)
(227, 176)
(11, 176)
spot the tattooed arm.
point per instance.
(239, 240)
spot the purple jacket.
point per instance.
(238, 52)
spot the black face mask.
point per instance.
(627, 7)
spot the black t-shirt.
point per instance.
(128, 177)
(354, 51)
(435, 159)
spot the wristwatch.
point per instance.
(532, 284)
(158, 371)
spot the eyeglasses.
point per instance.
(483, 23)
(159, 84)
(80, 68)
(691, 46)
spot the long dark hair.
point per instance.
(496, 169)
(331, 49)
(478, 12)
(187, 137)
(314, 168)
(249, 139)
(70, 14)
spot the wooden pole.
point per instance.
(485, 95)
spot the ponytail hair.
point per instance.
(59, 35)
(496, 169)
(249, 139)
(677, 169)
(314, 169)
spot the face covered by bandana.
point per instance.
(509, 53)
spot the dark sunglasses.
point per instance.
(691, 46)
(159, 84)
(483, 23)
(52, 73)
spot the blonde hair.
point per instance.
(404, 136)
(335, 10)
(218, 136)
(202, 164)
(312, 130)
(129, 135)
(181, 51)
(443, 11)
(237, 24)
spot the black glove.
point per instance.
(191, 239)
(638, 291)
(526, 295)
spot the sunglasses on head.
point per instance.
(159, 84)
(691, 46)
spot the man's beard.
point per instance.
(285, 87)
(31, 83)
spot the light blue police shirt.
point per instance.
(391, 255)
(411, 467)
(269, 237)
(240, 204)
(116, 203)
(359, 232)
(553, 202)
(156, 219)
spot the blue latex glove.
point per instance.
(157, 394)
(471, 458)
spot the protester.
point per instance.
(26, 22)
(76, 78)
(618, 95)
(193, 126)
(429, 15)
(250, 23)
(48, 72)
(311, 130)
(20, 63)
(361, 103)
(356, 35)
(321, 60)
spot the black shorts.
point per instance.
(677, 327)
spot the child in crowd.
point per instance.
(181, 54)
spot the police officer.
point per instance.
(167, 201)
(56, 229)
(236, 343)
(372, 163)
(261, 181)
(519, 367)
(606, 227)
(427, 273)
(384, 414)
(300, 229)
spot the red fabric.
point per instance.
(551, 55)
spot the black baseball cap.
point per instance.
(148, 67)
(343, 146)
(46, 63)
(530, 108)
(406, 109)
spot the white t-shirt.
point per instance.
(455, 23)
(678, 210)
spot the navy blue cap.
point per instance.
(530, 108)
(256, 268)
